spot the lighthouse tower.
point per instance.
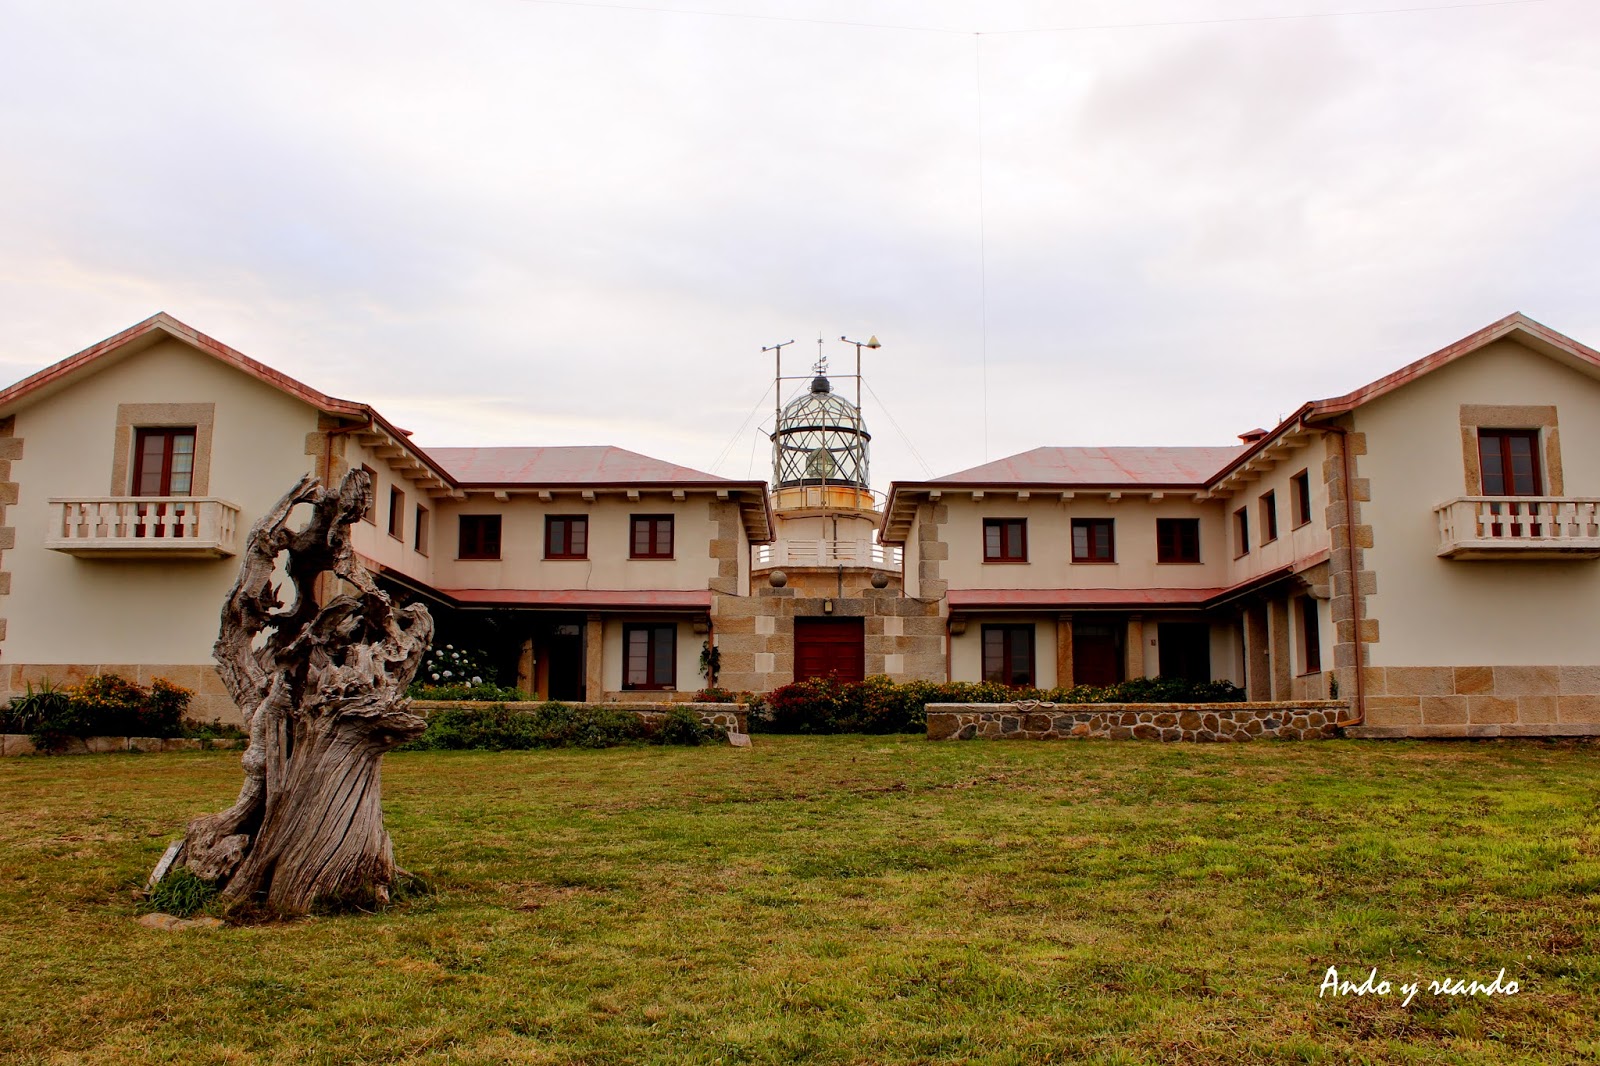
(822, 499)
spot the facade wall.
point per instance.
(966, 648)
(698, 531)
(1457, 645)
(371, 537)
(1295, 542)
(1049, 533)
(64, 610)
(1445, 612)
(688, 659)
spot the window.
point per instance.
(397, 513)
(1093, 540)
(651, 656)
(371, 515)
(566, 536)
(1241, 533)
(1177, 540)
(1509, 460)
(419, 536)
(480, 537)
(163, 462)
(1005, 540)
(1269, 517)
(1300, 497)
(1008, 654)
(1310, 637)
(651, 537)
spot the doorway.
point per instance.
(830, 647)
(1097, 657)
(1185, 650)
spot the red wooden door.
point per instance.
(1096, 655)
(830, 646)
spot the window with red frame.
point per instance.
(1008, 654)
(1177, 540)
(650, 656)
(651, 536)
(566, 536)
(1094, 540)
(1005, 540)
(479, 537)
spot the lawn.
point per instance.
(844, 899)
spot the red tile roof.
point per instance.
(584, 465)
(1099, 466)
(576, 598)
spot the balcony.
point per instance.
(827, 553)
(144, 527)
(1519, 527)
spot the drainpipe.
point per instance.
(1355, 592)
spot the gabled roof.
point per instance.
(598, 466)
(152, 330)
(1516, 326)
(584, 465)
(1066, 467)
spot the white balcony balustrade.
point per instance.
(1519, 527)
(147, 527)
(829, 553)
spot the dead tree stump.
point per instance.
(321, 684)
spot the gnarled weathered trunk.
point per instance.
(322, 690)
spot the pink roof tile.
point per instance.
(1099, 466)
(579, 465)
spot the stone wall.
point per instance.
(730, 717)
(22, 744)
(1438, 700)
(1298, 720)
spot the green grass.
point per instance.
(842, 899)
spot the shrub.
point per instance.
(495, 727)
(681, 725)
(484, 693)
(447, 664)
(103, 705)
(879, 705)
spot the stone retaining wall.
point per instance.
(1296, 720)
(728, 717)
(22, 744)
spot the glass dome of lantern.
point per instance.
(820, 441)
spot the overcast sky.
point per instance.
(569, 223)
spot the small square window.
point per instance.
(1005, 540)
(566, 536)
(650, 537)
(397, 513)
(480, 537)
(1241, 533)
(1300, 491)
(1093, 540)
(1177, 540)
(1269, 517)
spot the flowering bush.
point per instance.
(103, 705)
(447, 664)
